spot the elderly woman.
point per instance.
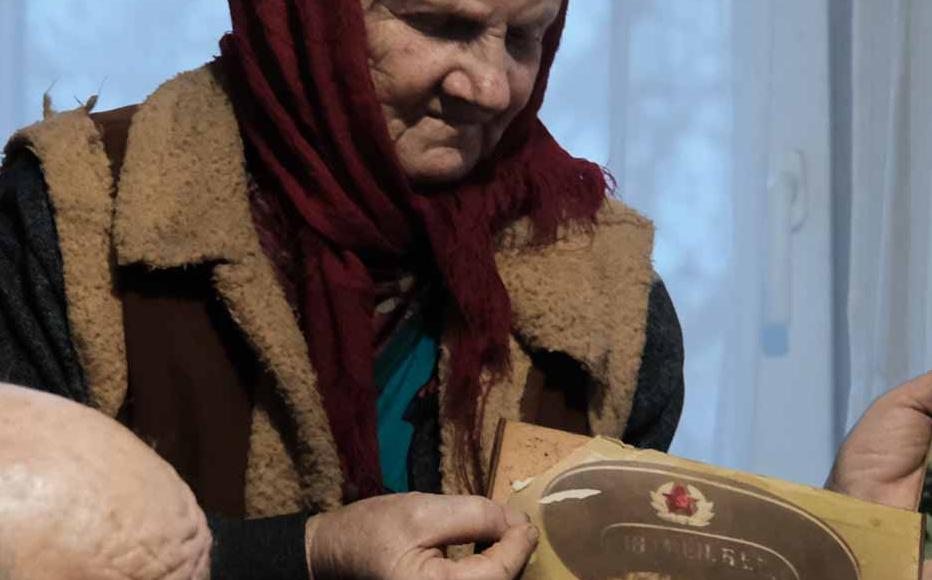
(322, 268)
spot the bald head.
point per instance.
(81, 498)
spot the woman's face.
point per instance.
(451, 75)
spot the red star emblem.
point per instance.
(680, 502)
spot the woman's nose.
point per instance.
(482, 79)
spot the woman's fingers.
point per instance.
(448, 520)
(403, 536)
(503, 561)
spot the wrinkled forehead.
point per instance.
(511, 11)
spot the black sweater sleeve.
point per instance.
(658, 401)
(264, 549)
(35, 345)
(36, 352)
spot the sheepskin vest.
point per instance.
(585, 296)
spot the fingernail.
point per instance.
(515, 518)
(533, 534)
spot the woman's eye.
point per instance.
(445, 26)
(524, 41)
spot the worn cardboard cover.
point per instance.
(607, 510)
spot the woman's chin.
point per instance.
(439, 166)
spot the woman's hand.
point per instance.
(402, 537)
(884, 458)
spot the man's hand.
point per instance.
(884, 458)
(402, 537)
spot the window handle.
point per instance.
(787, 213)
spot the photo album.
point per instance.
(610, 511)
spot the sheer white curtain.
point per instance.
(646, 88)
(890, 303)
(673, 129)
(712, 114)
(714, 117)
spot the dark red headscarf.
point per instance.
(306, 105)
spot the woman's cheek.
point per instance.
(522, 84)
(414, 71)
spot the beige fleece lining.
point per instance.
(587, 296)
(183, 184)
(503, 402)
(80, 187)
(184, 199)
(273, 486)
(258, 305)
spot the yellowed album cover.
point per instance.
(609, 511)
